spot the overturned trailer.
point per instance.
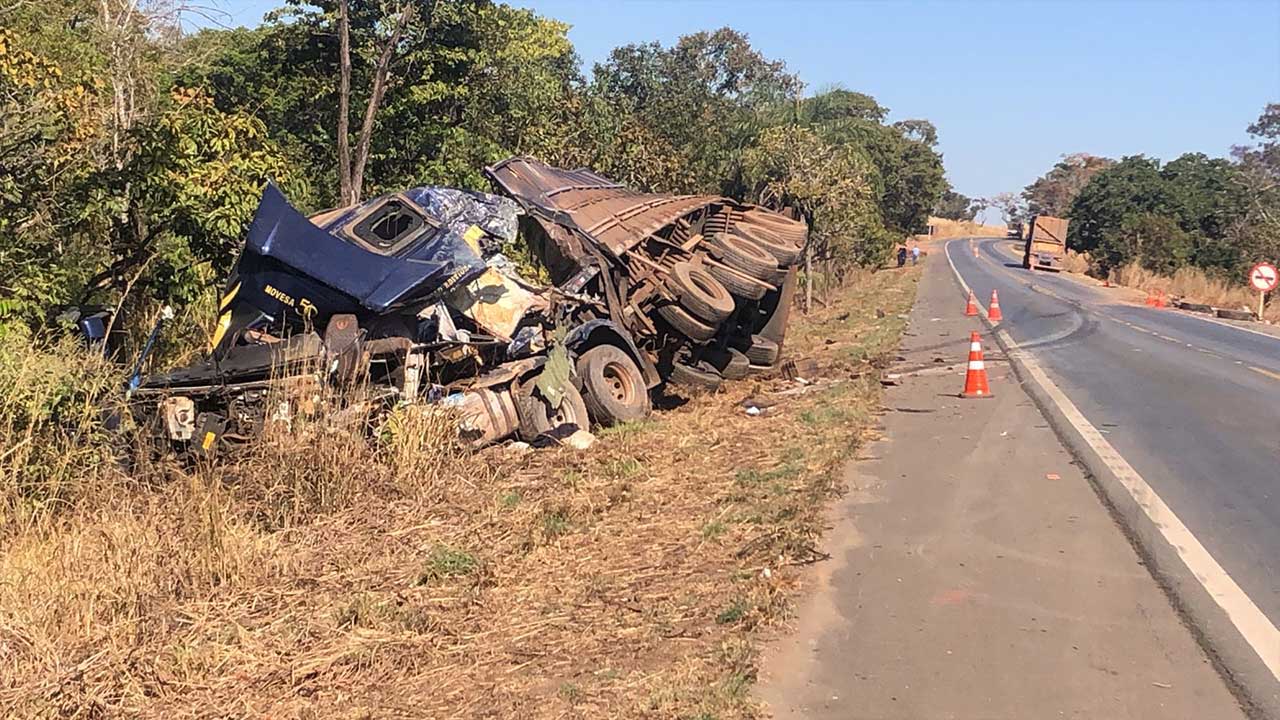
(406, 296)
(701, 282)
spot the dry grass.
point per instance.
(1194, 285)
(327, 575)
(52, 443)
(1188, 283)
(1075, 262)
(943, 228)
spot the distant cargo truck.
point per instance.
(1046, 243)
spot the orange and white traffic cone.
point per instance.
(993, 310)
(971, 308)
(975, 378)
(975, 251)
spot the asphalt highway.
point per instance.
(1193, 405)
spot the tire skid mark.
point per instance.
(1258, 630)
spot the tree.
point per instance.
(1052, 193)
(1012, 208)
(467, 86)
(921, 131)
(836, 104)
(1157, 241)
(954, 206)
(148, 193)
(351, 172)
(706, 97)
(1260, 180)
(1110, 202)
(909, 178)
(790, 166)
(1207, 197)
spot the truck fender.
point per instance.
(606, 332)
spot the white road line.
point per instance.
(1215, 321)
(1193, 316)
(1256, 628)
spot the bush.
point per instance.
(54, 446)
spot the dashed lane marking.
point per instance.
(1253, 625)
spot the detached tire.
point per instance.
(744, 256)
(613, 388)
(686, 324)
(731, 364)
(537, 416)
(700, 293)
(704, 376)
(738, 284)
(763, 351)
(1229, 314)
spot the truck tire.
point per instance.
(702, 376)
(783, 227)
(1229, 314)
(686, 324)
(738, 284)
(537, 416)
(613, 388)
(744, 256)
(731, 364)
(785, 253)
(700, 293)
(763, 351)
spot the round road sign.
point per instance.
(1264, 277)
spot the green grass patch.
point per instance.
(445, 562)
(713, 530)
(734, 613)
(555, 523)
(632, 429)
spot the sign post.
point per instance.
(1264, 278)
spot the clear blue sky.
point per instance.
(1010, 85)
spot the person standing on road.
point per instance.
(915, 254)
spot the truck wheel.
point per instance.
(784, 252)
(537, 416)
(700, 293)
(736, 283)
(612, 386)
(702, 376)
(744, 256)
(686, 324)
(763, 351)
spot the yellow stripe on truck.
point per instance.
(226, 299)
(220, 329)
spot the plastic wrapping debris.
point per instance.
(458, 210)
(528, 340)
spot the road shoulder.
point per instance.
(974, 572)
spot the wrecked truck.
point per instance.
(702, 283)
(409, 296)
